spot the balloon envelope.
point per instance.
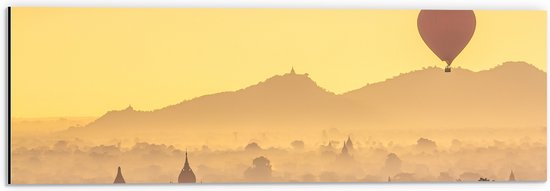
(446, 32)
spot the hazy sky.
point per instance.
(85, 61)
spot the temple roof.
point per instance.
(349, 144)
(345, 151)
(119, 179)
(186, 174)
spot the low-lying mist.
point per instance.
(291, 156)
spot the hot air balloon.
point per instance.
(446, 32)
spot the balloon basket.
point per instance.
(447, 69)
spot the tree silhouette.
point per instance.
(260, 170)
(392, 164)
(297, 145)
(252, 147)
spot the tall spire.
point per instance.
(345, 151)
(292, 71)
(186, 174)
(119, 179)
(512, 176)
(349, 144)
(186, 165)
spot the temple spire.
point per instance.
(119, 179)
(186, 165)
(349, 143)
(345, 151)
(292, 71)
(186, 174)
(512, 176)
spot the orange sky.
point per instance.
(86, 61)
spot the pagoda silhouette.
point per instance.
(119, 179)
(349, 144)
(347, 148)
(512, 176)
(186, 174)
(345, 151)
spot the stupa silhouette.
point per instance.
(512, 176)
(186, 174)
(119, 179)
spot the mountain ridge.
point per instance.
(296, 100)
(438, 69)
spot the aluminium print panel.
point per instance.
(181, 95)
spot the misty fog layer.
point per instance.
(464, 126)
(47, 160)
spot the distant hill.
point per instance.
(512, 94)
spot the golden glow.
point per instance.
(86, 61)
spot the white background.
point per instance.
(341, 4)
